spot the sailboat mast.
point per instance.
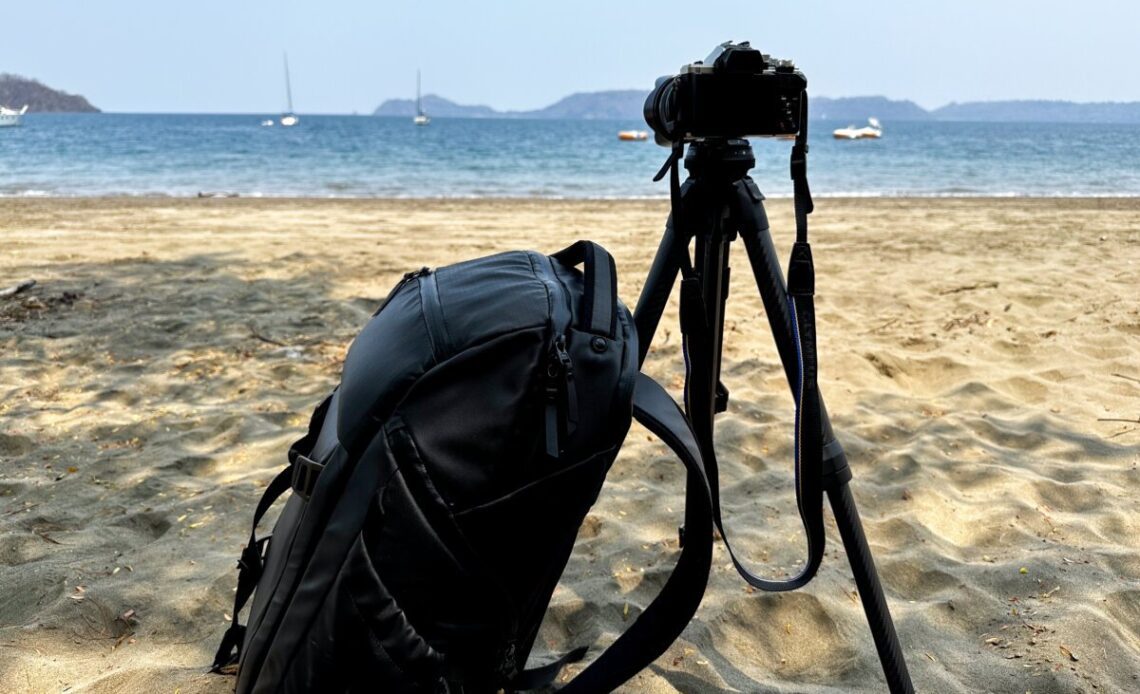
(288, 87)
(419, 101)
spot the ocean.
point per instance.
(366, 156)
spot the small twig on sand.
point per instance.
(1127, 378)
(1126, 431)
(1114, 419)
(17, 288)
(45, 537)
(22, 508)
(253, 332)
(970, 287)
(886, 325)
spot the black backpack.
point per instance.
(439, 490)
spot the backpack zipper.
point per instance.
(433, 316)
(559, 389)
(408, 277)
(559, 392)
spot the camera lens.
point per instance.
(661, 109)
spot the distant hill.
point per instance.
(1041, 112)
(618, 105)
(16, 91)
(857, 109)
(627, 104)
(624, 104)
(436, 106)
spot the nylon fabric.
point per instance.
(441, 520)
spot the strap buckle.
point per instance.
(305, 474)
(799, 162)
(253, 556)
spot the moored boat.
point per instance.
(11, 117)
(288, 118)
(421, 115)
(872, 131)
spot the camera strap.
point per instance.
(698, 347)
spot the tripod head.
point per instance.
(719, 159)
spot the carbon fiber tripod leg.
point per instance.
(752, 225)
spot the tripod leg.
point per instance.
(714, 273)
(870, 590)
(658, 287)
(752, 224)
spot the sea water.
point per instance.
(367, 156)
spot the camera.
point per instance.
(735, 92)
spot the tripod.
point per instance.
(717, 203)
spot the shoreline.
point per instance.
(841, 197)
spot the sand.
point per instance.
(980, 358)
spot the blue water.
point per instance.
(364, 156)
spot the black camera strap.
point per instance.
(698, 346)
(808, 432)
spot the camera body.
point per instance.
(736, 92)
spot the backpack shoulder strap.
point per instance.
(666, 617)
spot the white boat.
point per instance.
(872, 131)
(267, 123)
(421, 117)
(288, 118)
(11, 117)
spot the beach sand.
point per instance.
(979, 359)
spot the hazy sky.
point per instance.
(349, 55)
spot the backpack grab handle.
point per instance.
(599, 300)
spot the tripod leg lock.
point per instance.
(751, 189)
(834, 469)
(721, 401)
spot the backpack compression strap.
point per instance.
(666, 617)
(250, 563)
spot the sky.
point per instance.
(346, 56)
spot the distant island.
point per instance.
(610, 105)
(17, 92)
(627, 105)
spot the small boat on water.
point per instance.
(11, 117)
(872, 131)
(633, 135)
(267, 123)
(288, 118)
(421, 116)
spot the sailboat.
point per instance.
(288, 118)
(421, 117)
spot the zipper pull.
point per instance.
(567, 383)
(561, 395)
(408, 277)
(551, 414)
